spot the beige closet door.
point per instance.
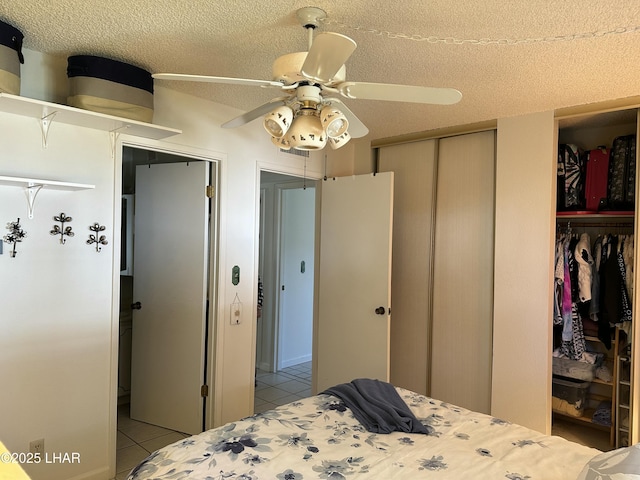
(414, 168)
(463, 271)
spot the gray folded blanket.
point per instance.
(377, 406)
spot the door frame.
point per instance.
(215, 159)
(292, 167)
(276, 248)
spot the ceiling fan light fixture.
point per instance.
(281, 143)
(306, 132)
(339, 141)
(333, 121)
(278, 121)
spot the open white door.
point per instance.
(354, 279)
(170, 282)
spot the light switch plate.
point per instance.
(235, 313)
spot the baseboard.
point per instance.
(264, 366)
(295, 361)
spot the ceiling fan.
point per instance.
(311, 114)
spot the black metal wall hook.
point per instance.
(98, 240)
(15, 235)
(61, 229)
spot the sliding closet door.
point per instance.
(463, 271)
(413, 165)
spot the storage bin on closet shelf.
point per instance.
(111, 87)
(566, 367)
(569, 396)
(10, 58)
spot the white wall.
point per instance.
(58, 317)
(56, 300)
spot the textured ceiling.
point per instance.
(592, 52)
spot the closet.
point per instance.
(593, 282)
(442, 268)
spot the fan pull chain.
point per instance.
(488, 41)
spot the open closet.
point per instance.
(594, 278)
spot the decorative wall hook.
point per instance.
(61, 229)
(98, 240)
(15, 235)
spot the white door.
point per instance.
(354, 279)
(170, 282)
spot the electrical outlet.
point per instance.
(37, 446)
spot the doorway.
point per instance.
(170, 175)
(286, 271)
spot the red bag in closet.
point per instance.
(596, 178)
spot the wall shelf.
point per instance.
(33, 185)
(46, 112)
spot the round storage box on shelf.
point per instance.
(111, 87)
(10, 58)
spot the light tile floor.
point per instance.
(285, 386)
(136, 440)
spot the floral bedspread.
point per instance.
(318, 438)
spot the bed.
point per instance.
(320, 437)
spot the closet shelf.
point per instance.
(602, 382)
(605, 216)
(586, 418)
(47, 112)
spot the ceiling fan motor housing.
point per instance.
(286, 69)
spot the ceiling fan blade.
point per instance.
(399, 93)
(356, 129)
(255, 113)
(209, 79)
(329, 51)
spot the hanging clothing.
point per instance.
(592, 285)
(575, 347)
(594, 307)
(582, 254)
(567, 329)
(558, 281)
